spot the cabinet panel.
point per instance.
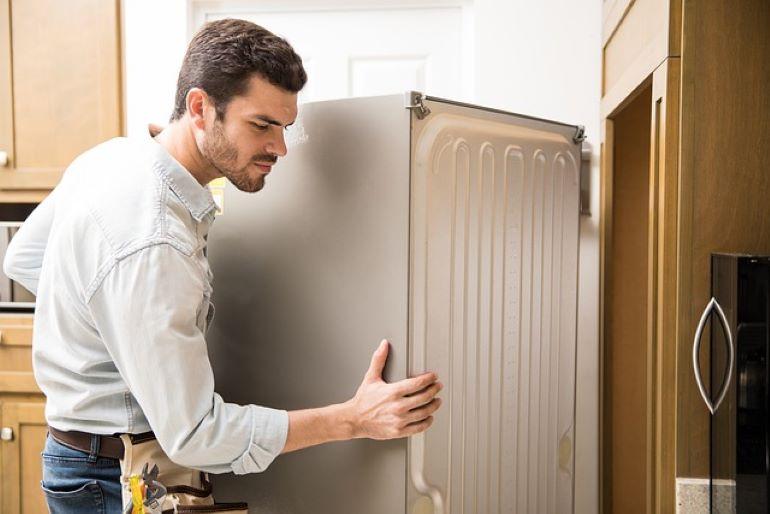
(725, 151)
(16, 330)
(638, 36)
(16, 354)
(59, 85)
(20, 457)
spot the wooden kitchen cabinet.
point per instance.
(60, 89)
(25, 429)
(16, 354)
(22, 419)
(60, 94)
(685, 146)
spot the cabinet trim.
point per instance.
(665, 148)
(30, 178)
(18, 382)
(613, 14)
(664, 44)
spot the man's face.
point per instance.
(247, 142)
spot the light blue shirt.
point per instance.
(116, 257)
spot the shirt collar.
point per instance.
(195, 197)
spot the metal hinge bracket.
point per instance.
(585, 179)
(415, 101)
(580, 134)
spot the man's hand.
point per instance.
(387, 411)
(377, 411)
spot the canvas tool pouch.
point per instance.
(188, 490)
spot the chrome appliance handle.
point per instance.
(713, 305)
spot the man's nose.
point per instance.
(277, 145)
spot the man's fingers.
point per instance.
(416, 428)
(423, 397)
(379, 358)
(423, 412)
(414, 384)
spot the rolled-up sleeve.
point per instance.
(146, 310)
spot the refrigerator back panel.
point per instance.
(493, 306)
(455, 235)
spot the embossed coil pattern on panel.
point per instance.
(493, 305)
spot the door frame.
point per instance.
(662, 287)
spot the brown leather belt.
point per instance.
(109, 446)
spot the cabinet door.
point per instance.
(16, 354)
(723, 183)
(59, 88)
(24, 436)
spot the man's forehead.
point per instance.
(263, 100)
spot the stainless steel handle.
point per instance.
(713, 305)
(6, 434)
(3, 158)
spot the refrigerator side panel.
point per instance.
(309, 275)
(493, 309)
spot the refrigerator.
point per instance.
(449, 229)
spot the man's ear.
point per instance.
(198, 105)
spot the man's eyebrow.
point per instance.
(271, 121)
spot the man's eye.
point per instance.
(260, 127)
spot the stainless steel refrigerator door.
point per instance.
(493, 309)
(309, 274)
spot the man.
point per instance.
(116, 256)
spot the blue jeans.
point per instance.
(75, 481)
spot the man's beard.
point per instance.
(224, 157)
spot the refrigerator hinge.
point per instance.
(414, 101)
(585, 179)
(580, 134)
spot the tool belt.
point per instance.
(186, 490)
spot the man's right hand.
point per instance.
(378, 410)
(388, 411)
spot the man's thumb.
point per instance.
(379, 359)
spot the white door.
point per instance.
(364, 51)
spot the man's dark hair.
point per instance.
(224, 55)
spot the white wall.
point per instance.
(540, 58)
(154, 41)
